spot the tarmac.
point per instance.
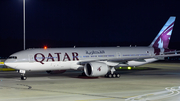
(156, 82)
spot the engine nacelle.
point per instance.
(94, 69)
(56, 71)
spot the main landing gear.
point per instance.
(22, 72)
(112, 74)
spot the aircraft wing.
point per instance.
(124, 60)
(116, 60)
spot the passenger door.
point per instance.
(31, 58)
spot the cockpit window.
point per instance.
(12, 57)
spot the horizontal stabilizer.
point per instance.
(170, 55)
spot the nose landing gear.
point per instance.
(22, 72)
(23, 77)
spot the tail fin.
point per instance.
(163, 37)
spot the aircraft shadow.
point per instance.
(70, 74)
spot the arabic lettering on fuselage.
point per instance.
(39, 57)
(95, 52)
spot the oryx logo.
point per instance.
(160, 42)
(99, 69)
(163, 40)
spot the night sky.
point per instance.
(90, 23)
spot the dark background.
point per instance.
(89, 23)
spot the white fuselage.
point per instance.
(73, 58)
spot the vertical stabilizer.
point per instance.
(163, 37)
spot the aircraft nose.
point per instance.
(9, 63)
(6, 63)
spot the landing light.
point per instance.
(129, 68)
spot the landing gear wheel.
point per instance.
(113, 75)
(105, 75)
(23, 77)
(110, 75)
(118, 75)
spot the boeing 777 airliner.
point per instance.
(94, 61)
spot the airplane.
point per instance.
(94, 61)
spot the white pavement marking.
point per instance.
(170, 92)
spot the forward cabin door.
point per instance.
(31, 58)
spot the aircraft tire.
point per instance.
(110, 75)
(114, 75)
(118, 75)
(106, 75)
(23, 77)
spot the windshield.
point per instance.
(12, 57)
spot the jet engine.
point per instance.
(56, 71)
(94, 69)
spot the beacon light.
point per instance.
(45, 47)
